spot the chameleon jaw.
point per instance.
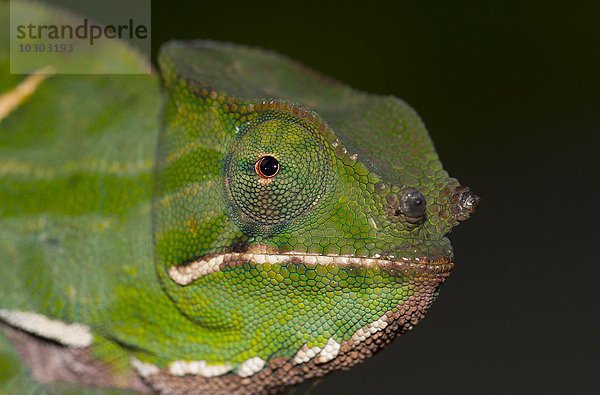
(308, 361)
(186, 273)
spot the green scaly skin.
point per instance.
(83, 222)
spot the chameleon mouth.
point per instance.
(186, 273)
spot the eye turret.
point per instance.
(274, 171)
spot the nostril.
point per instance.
(464, 203)
(470, 201)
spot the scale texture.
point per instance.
(249, 226)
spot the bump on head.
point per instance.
(464, 203)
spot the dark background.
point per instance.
(510, 94)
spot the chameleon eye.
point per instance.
(278, 195)
(267, 167)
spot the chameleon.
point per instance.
(235, 223)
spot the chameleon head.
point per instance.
(299, 236)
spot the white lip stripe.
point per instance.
(363, 333)
(197, 368)
(251, 366)
(144, 369)
(305, 354)
(187, 273)
(329, 351)
(72, 335)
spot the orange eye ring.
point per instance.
(267, 167)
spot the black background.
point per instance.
(510, 94)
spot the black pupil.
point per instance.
(269, 166)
